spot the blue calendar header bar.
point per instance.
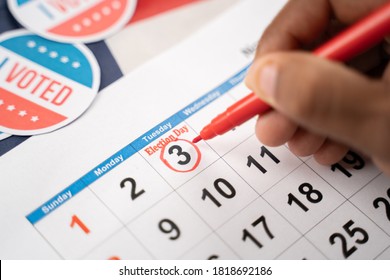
(107, 165)
(135, 146)
(156, 132)
(56, 201)
(212, 95)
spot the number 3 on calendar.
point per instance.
(181, 156)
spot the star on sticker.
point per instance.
(22, 113)
(53, 54)
(64, 59)
(31, 44)
(11, 108)
(76, 64)
(42, 49)
(34, 119)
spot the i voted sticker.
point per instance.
(73, 20)
(44, 85)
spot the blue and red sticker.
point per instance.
(73, 20)
(44, 85)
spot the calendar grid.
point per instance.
(130, 152)
(258, 209)
(123, 224)
(347, 199)
(383, 251)
(303, 237)
(302, 234)
(51, 245)
(212, 230)
(139, 144)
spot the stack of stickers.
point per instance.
(48, 78)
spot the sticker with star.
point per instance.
(44, 85)
(73, 21)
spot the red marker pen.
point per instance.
(353, 41)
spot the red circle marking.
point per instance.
(166, 162)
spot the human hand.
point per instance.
(323, 108)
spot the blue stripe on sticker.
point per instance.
(64, 59)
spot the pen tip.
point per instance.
(197, 139)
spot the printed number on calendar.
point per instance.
(383, 201)
(181, 155)
(247, 234)
(264, 152)
(351, 232)
(167, 226)
(312, 195)
(135, 192)
(224, 190)
(353, 160)
(79, 223)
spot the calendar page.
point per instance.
(125, 180)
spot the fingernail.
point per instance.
(268, 79)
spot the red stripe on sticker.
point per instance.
(93, 20)
(21, 114)
(149, 8)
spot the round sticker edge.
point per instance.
(94, 88)
(126, 17)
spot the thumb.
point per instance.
(326, 98)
